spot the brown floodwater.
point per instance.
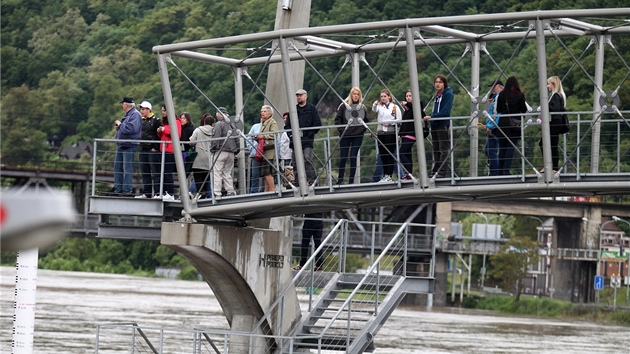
(71, 304)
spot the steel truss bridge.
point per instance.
(589, 167)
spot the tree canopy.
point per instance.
(66, 64)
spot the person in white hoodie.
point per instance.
(201, 165)
(388, 115)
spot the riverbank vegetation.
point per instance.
(110, 256)
(545, 307)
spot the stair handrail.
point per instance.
(368, 273)
(280, 298)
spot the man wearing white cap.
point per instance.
(308, 119)
(149, 152)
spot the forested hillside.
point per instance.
(66, 63)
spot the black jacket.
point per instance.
(308, 117)
(149, 132)
(343, 115)
(187, 132)
(408, 126)
(511, 103)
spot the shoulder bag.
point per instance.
(559, 123)
(260, 150)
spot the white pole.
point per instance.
(24, 305)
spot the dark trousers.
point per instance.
(387, 152)
(555, 154)
(506, 153)
(440, 142)
(150, 169)
(349, 145)
(406, 157)
(311, 229)
(202, 180)
(169, 167)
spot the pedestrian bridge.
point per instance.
(594, 153)
(248, 266)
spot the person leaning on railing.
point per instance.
(165, 134)
(351, 110)
(128, 128)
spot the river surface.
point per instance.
(71, 304)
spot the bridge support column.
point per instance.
(443, 214)
(247, 269)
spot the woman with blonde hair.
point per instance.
(351, 131)
(268, 126)
(557, 103)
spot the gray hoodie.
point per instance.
(202, 134)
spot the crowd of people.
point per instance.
(209, 149)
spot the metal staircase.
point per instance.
(350, 308)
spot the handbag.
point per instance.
(559, 123)
(191, 155)
(425, 130)
(269, 145)
(511, 126)
(260, 150)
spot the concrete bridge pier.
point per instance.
(247, 268)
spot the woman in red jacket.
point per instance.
(164, 132)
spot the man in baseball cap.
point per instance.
(309, 123)
(499, 82)
(128, 129)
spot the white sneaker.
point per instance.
(167, 197)
(386, 178)
(157, 196)
(141, 196)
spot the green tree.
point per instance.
(510, 265)
(24, 145)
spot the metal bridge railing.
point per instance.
(575, 150)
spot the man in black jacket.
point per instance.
(149, 152)
(308, 118)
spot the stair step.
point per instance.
(366, 284)
(343, 329)
(358, 319)
(330, 342)
(335, 309)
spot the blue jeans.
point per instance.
(150, 169)
(492, 153)
(123, 169)
(255, 186)
(378, 171)
(352, 145)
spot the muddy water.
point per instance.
(70, 304)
